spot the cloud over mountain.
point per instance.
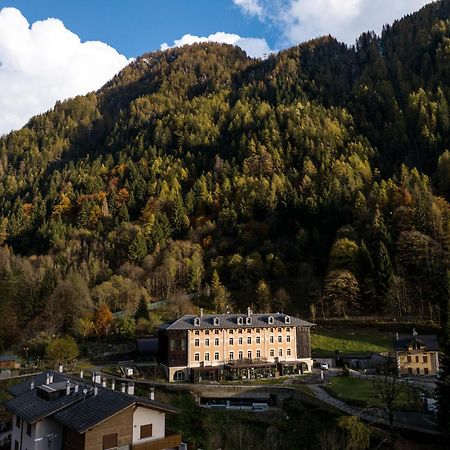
(45, 62)
(301, 20)
(254, 47)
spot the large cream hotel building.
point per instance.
(234, 346)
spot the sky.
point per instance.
(52, 49)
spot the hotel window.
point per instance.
(279, 330)
(271, 330)
(240, 341)
(270, 320)
(249, 354)
(231, 341)
(196, 356)
(206, 356)
(408, 358)
(206, 331)
(409, 369)
(258, 330)
(288, 338)
(231, 355)
(248, 321)
(417, 359)
(258, 339)
(288, 352)
(240, 354)
(216, 356)
(230, 331)
(258, 353)
(197, 343)
(216, 332)
(197, 332)
(146, 431)
(249, 330)
(425, 371)
(29, 429)
(249, 340)
(280, 352)
(240, 330)
(280, 338)
(110, 441)
(197, 322)
(272, 352)
(288, 329)
(425, 359)
(240, 321)
(418, 371)
(216, 321)
(206, 342)
(271, 339)
(216, 342)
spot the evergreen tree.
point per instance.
(142, 311)
(384, 276)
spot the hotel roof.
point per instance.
(191, 322)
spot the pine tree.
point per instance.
(384, 276)
(137, 250)
(142, 311)
(220, 295)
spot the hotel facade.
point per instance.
(234, 347)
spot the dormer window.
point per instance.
(240, 321)
(248, 320)
(197, 321)
(216, 321)
(287, 320)
(270, 320)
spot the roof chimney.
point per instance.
(151, 394)
(60, 368)
(32, 384)
(113, 384)
(67, 387)
(47, 379)
(81, 374)
(414, 332)
(95, 391)
(249, 311)
(76, 388)
(201, 312)
(50, 378)
(122, 388)
(104, 382)
(130, 389)
(396, 336)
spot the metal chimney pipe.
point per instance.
(47, 379)
(81, 374)
(104, 382)
(67, 387)
(60, 368)
(95, 391)
(32, 384)
(201, 312)
(76, 388)
(113, 384)
(131, 389)
(152, 394)
(122, 388)
(50, 377)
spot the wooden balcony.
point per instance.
(171, 440)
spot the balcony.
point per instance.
(171, 440)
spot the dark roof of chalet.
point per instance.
(231, 321)
(8, 358)
(430, 342)
(79, 412)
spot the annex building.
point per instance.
(417, 354)
(234, 346)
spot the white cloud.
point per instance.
(45, 62)
(254, 47)
(301, 20)
(252, 7)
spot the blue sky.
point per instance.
(56, 49)
(137, 26)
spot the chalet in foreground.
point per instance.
(56, 412)
(234, 346)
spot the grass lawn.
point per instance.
(363, 393)
(326, 342)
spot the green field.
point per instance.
(325, 342)
(362, 393)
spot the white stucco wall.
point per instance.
(145, 416)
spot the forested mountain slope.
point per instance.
(318, 179)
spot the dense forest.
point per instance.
(315, 182)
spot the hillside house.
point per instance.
(55, 411)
